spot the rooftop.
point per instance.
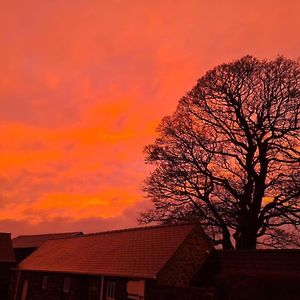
(137, 252)
(35, 241)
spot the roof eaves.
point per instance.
(87, 273)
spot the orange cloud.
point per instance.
(104, 204)
(83, 85)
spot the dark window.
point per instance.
(110, 291)
(45, 282)
(67, 283)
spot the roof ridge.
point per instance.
(130, 229)
(44, 234)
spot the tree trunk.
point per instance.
(247, 238)
(226, 243)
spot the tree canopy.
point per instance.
(229, 156)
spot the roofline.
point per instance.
(264, 273)
(27, 247)
(294, 250)
(45, 234)
(80, 234)
(84, 273)
(132, 229)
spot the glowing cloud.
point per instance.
(83, 85)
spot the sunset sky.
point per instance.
(84, 84)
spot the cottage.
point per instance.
(7, 261)
(24, 245)
(124, 264)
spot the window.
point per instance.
(45, 282)
(110, 291)
(135, 289)
(67, 282)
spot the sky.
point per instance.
(84, 84)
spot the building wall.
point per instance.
(186, 261)
(82, 287)
(266, 286)
(5, 274)
(159, 292)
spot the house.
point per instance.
(24, 245)
(139, 263)
(166, 262)
(7, 261)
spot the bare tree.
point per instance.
(229, 156)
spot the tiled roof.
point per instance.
(138, 252)
(6, 250)
(35, 241)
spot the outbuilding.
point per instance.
(139, 263)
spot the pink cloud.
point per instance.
(83, 84)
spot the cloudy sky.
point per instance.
(84, 84)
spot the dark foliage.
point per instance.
(229, 156)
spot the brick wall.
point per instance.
(188, 258)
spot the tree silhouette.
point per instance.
(229, 156)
